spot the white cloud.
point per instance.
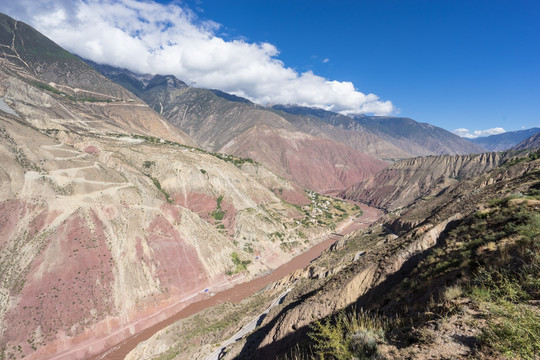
(325, 61)
(148, 37)
(466, 133)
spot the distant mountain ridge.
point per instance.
(222, 122)
(505, 141)
(529, 143)
(418, 138)
(226, 123)
(411, 137)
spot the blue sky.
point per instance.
(455, 64)
(473, 65)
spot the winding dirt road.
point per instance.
(234, 294)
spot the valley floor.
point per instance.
(198, 301)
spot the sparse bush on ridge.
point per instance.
(353, 334)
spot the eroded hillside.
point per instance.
(460, 282)
(451, 286)
(111, 220)
(229, 124)
(405, 181)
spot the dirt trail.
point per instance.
(234, 294)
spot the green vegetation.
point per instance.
(249, 248)
(352, 334)
(158, 185)
(240, 265)
(49, 88)
(236, 161)
(218, 214)
(147, 164)
(516, 160)
(289, 245)
(500, 247)
(219, 200)
(513, 329)
(326, 211)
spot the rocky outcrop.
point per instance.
(405, 181)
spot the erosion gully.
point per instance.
(242, 290)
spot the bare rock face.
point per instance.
(405, 181)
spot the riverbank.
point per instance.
(235, 294)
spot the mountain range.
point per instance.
(341, 148)
(125, 198)
(111, 214)
(505, 141)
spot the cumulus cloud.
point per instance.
(148, 37)
(466, 133)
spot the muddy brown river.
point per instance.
(242, 290)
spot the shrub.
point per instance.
(348, 335)
(452, 292)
